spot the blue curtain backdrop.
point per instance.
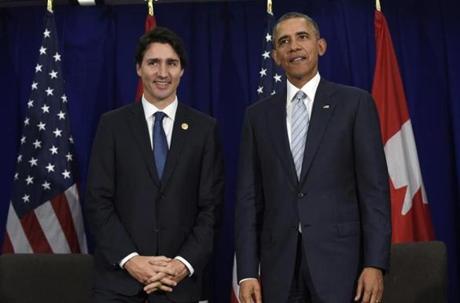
(224, 47)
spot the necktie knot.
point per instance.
(299, 96)
(159, 116)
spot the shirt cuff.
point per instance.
(188, 265)
(245, 279)
(127, 258)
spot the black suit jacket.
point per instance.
(341, 200)
(130, 210)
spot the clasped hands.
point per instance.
(156, 272)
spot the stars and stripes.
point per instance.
(45, 213)
(271, 76)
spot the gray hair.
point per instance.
(292, 15)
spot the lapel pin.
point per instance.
(326, 106)
(184, 126)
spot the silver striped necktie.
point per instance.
(299, 126)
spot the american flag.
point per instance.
(45, 213)
(271, 76)
(271, 81)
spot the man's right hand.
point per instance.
(250, 291)
(150, 269)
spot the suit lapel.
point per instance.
(141, 134)
(323, 107)
(276, 124)
(179, 136)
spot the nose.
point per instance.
(293, 45)
(162, 70)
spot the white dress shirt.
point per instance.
(310, 90)
(168, 120)
(168, 124)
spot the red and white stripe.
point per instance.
(56, 226)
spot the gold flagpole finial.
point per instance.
(270, 7)
(150, 5)
(377, 5)
(50, 6)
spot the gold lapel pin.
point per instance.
(326, 106)
(184, 126)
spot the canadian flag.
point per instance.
(410, 212)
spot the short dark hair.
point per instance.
(292, 15)
(161, 35)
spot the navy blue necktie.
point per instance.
(160, 144)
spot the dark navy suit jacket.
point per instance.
(341, 200)
(130, 210)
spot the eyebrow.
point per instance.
(297, 34)
(171, 60)
(302, 33)
(156, 59)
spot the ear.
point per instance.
(275, 57)
(138, 69)
(322, 46)
(181, 72)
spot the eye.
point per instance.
(303, 36)
(283, 41)
(173, 62)
(152, 62)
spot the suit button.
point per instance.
(300, 195)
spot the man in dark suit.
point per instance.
(312, 197)
(155, 187)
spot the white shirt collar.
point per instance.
(309, 88)
(150, 109)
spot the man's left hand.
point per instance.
(370, 286)
(179, 268)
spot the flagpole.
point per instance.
(150, 6)
(377, 5)
(50, 6)
(270, 7)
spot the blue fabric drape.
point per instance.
(223, 42)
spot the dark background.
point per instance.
(223, 42)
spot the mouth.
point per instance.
(297, 59)
(162, 83)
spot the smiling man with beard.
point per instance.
(155, 187)
(312, 199)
